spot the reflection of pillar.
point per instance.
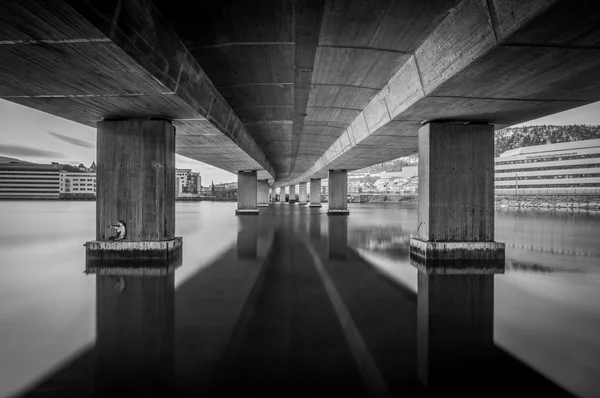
(135, 319)
(292, 194)
(247, 238)
(262, 187)
(338, 193)
(455, 330)
(456, 192)
(247, 187)
(314, 229)
(302, 193)
(337, 243)
(315, 192)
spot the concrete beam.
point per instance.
(464, 71)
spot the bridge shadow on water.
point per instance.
(292, 310)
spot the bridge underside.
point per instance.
(293, 89)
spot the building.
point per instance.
(563, 168)
(187, 181)
(24, 180)
(72, 185)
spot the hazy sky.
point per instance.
(39, 137)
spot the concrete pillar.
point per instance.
(302, 199)
(292, 194)
(315, 192)
(136, 185)
(456, 192)
(455, 339)
(338, 192)
(135, 324)
(247, 193)
(262, 193)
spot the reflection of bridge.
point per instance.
(294, 311)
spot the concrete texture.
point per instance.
(136, 179)
(456, 182)
(338, 192)
(302, 197)
(247, 193)
(262, 193)
(315, 192)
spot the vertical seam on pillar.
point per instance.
(493, 19)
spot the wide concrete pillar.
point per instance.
(136, 185)
(456, 192)
(302, 198)
(135, 334)
(338, 193)
(292, 194)
(262, 193)
(247, 193)
(315, 192)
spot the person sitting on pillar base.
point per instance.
(121, 228)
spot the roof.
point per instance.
(560, 146)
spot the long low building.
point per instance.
(563, 168)
(29, 181)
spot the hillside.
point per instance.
(515, 137)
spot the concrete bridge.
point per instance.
(295, 91)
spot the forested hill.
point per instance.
(515, 137)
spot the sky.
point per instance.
(39, 137)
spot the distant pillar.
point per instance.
(136, 185)
(456, 192)
(135, 334)
(262, 193)
(338, 192)
(315, 192)
(455, 331)
(247, 192)
(292, 194)
(302, 199)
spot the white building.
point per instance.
(74, 184)
(563, 168)
(187, 181)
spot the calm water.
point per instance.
(305, 289)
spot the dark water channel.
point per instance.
(295, 303)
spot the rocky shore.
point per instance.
(591, 202)
(388, 198)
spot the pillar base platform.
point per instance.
(263, 205)
(302, 203)
(490, 266)
(133, 257)
(246, 212)
(315, 205)
(333, 212)
(456, 250)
